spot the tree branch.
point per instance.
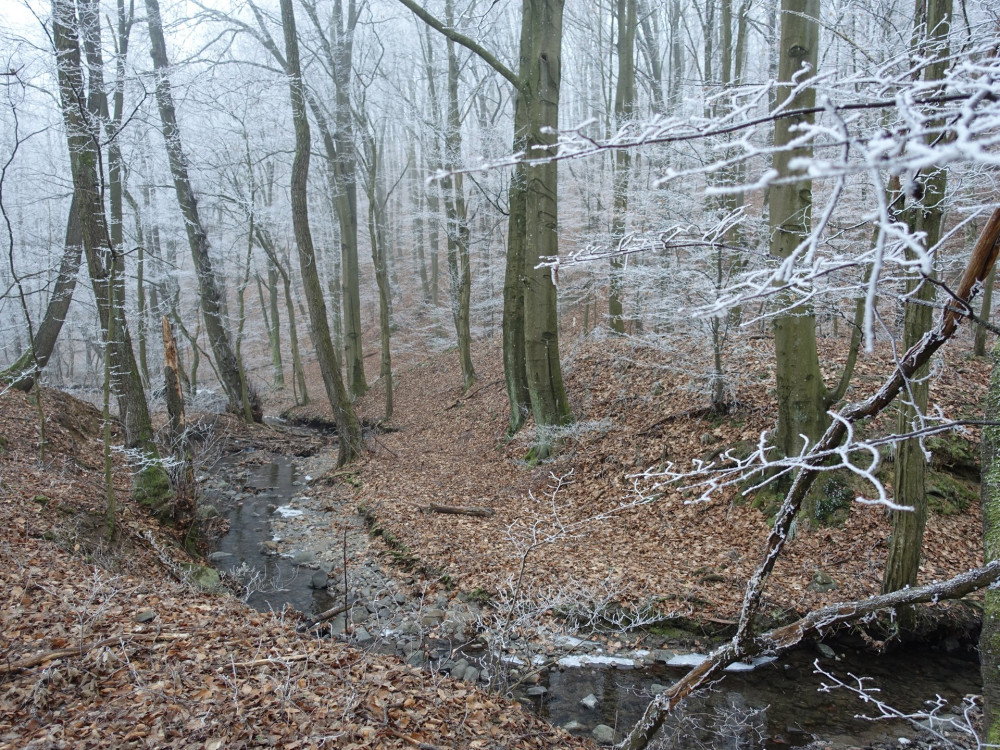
(469, 44)
(814, 623)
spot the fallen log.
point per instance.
(458, 510)
(816, 623)
(324, 616)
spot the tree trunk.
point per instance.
(458, 226)
(989, 638)
(540, 80)
(274, 332)
(624, 111)
(229, 367)
(800, 388)
(985, 313)
(152, 486)
(377, 235)
(348, 428)
(932, 22)
(24, 372)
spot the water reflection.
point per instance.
(777, 706)
(249, 530)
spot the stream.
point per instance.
(292, 545)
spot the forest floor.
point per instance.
(113, 646)
(610, 533)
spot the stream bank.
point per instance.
(292, 527)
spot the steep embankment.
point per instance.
(637, 408)
(107, 646)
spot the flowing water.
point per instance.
(777, 705)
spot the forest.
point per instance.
(375, 373)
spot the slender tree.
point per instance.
(229, 367)
(801, 393)
(926, 216)
(348, 428)
(82, 117)
(624, 111)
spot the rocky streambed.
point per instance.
(296, 538)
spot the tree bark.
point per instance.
(989, 638)
(24, 372)
(348, 428)
(540, 81)
(624, 111)
(229, 367)
(82, 117)
(458, 225)
(933, 22)
(801, 391)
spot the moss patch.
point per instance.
(151, 488)
(948, 494)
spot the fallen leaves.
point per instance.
(77, 671)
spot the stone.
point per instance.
(536, 690)
(471, 675)
(431, 617)
(270, 547)
(603, 735)
(662, 655)
(338, 625)
(656, 688)
(825, 651)
(458, 668)
(146, 615)
(319, 580)
(219, 556)
(362, 636)
(358, 615)
(822, 582)
(206, 511)
(416, 659)
(205, 578)
(303, 557)
(590, 702)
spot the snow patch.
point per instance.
(287, 511)
(593, 660)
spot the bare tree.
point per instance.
(243, 398)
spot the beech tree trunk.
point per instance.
(541, 28)
(458, 225)
(24, 372)
(989, 638)
(801, 391)
(230, 369)
(348, 428)
(932, 24)
(81, 115)
(624, 111)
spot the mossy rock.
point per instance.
(205, 578)
(949, 495)
(954, 453)
(833, 495)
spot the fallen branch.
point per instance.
(323, 617)
(787, 636)
(981, 262)
(459, 510)
(269, 660)
(64, 653)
